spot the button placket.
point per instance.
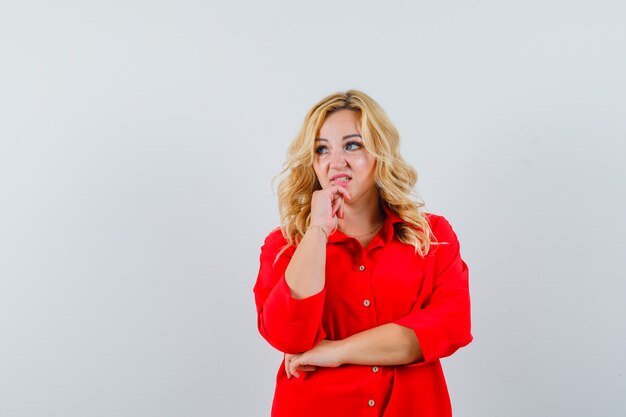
(367, 297)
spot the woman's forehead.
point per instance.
(341, 123)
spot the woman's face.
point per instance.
(340, 156)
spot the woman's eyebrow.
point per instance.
(354, 135)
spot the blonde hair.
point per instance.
(395, 179)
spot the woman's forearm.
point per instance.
(386, 345)
(389, 344)
(306, 271)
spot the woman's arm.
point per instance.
(426, 333)
(289, 324)
(305, 274)
(289, 291)
(389, 344)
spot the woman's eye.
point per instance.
(351, 146)
(321, 149)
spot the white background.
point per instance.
(138, 140)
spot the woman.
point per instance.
(361, 291)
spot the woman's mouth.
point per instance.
(343, 180)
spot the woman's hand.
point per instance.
(327, 206)
(326, 354)
(304, 368)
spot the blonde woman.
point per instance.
(361, 291)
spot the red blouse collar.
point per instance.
(383, 237)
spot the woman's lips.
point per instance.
(341, 181)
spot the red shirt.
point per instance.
(387, 282)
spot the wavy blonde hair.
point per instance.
(395, 179)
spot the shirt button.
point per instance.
(366, 303)
(371, 403)
(362, 268)
(374, 368)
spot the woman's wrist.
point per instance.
(320, 228)
(341, 348)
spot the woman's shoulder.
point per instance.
(440, 226)
(433, 219)
(275, 247)
(275, 239)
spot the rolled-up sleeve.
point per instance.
(290, 325)
(442, 324)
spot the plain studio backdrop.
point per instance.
(138, 140)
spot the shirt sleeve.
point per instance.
(442, 324)
(290, 325)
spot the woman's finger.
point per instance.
(287, 366)
(296, 365)
(336, 206)
(338, 189)
(293, 369)
(341, 209)
(288, 360)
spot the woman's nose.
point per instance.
(337, 159)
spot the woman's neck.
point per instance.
(362, 217)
